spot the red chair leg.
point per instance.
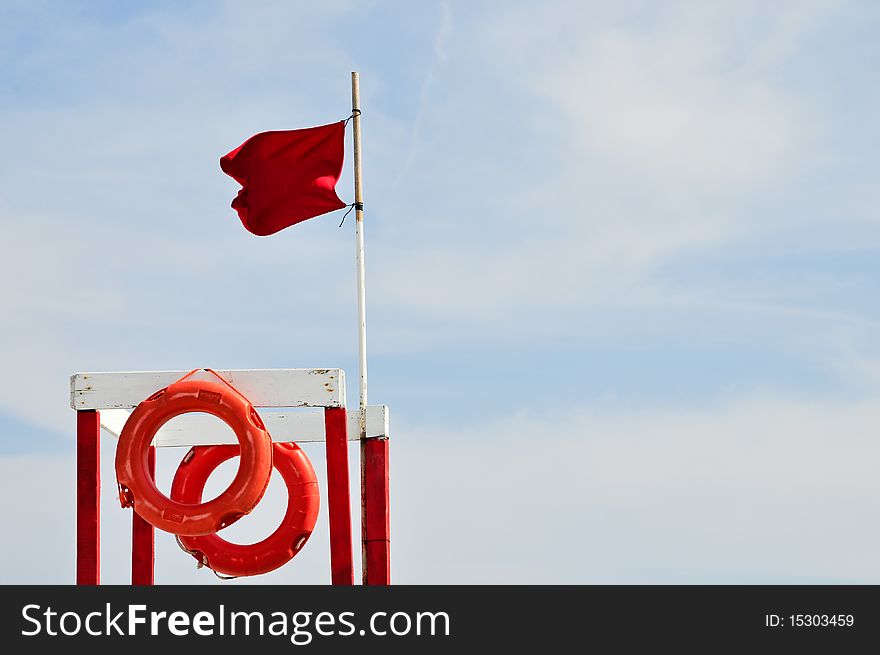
(88, 497)
(375, 519)
(338, 496)
(143, 540)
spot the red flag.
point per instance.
(286, 176)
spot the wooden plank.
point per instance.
(88, 498)
(300, 426)
(375, 513)
(143, 540)
(339, 498)
(291, 387)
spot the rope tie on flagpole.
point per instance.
(355, 205)
(354, 112)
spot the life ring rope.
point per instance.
(202, 562)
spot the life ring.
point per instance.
(136, 485)
(275, 550)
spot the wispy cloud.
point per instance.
(606, 185)
(444, 30)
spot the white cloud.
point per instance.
(687, 96)
(764, 489)
(653, 136)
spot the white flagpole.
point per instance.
(359, 237)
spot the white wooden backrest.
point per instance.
(115, 394)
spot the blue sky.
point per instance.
(622, 270)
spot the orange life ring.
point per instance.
(278, 548)
(136, 485)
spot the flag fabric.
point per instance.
(287, 176)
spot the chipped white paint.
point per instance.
(285, 387)
(359, 249)
(300, 426)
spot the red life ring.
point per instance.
(136, 485)
(278, 548)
